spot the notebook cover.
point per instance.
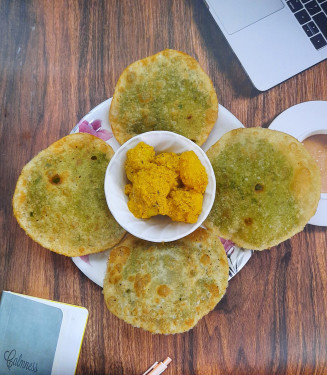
(29, 332)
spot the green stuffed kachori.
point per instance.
(267, 187)
(59, 198)
(166, 287)
(167, 91)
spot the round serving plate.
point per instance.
(96, 122)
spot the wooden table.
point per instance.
(59, 59)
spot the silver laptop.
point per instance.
(273, 39)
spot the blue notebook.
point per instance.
(39, 336)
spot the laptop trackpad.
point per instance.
(237, 14)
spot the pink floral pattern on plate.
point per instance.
(237, 256)
(86, 259)
(228, 245)
(94, 128)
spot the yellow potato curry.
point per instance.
(165, 184)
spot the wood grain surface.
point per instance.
(59, 59)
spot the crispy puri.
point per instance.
(167, 287)
(166, 91)
(59, 198)
(268, 187)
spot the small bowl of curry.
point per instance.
(160, 186)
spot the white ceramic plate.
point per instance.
(97, 123)
(301, 121)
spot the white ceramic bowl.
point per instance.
(158, 228)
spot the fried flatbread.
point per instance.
(59, 198)
(167, 91)
(268, 187)
(166, 288)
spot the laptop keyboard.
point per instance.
(312, 16)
